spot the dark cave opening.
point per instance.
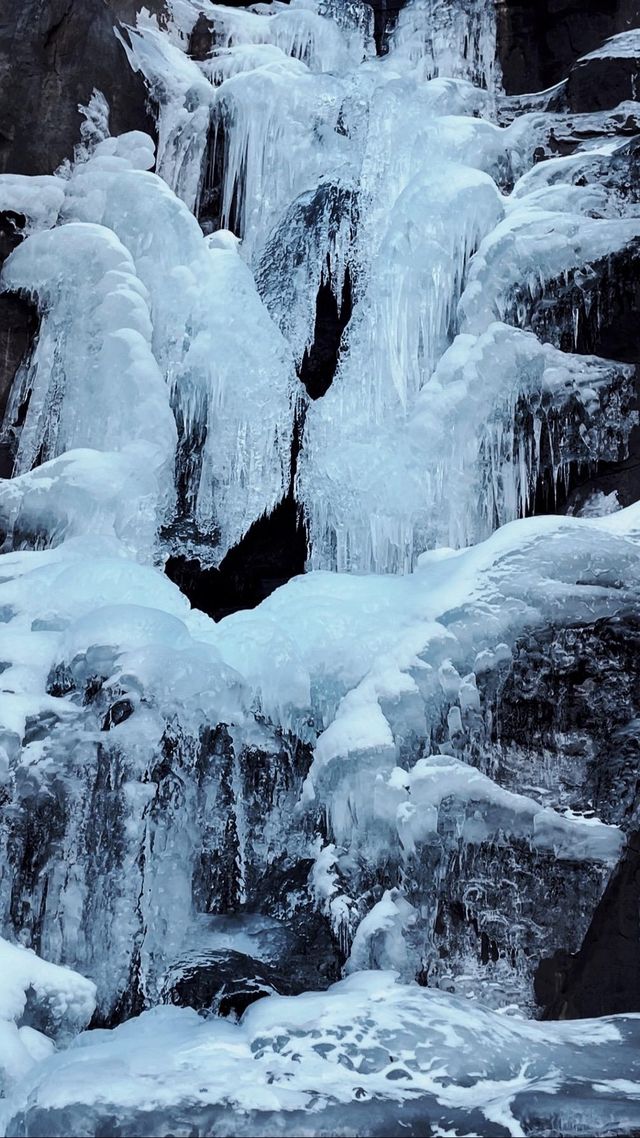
(385, 15)
(209, 208)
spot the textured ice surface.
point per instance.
(368, 655)
(626, 45)
(184, 96)
(499, 409)
(111, 680)
(95, 345)
(444, 39)
(38, 199)
(322, 160)
(97, 409)
(531, 247)
(370, 1056)
(36, 997)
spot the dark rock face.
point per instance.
(202, 40)
(601, 83)
(565, 718)
(53, 53)
(540, 40)
(18, 326)
(595, 311)
(603, 978)
(566, 710)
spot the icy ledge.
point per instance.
(37, 997)
(369, 1056)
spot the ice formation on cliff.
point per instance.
(328, 763)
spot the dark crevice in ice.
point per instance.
(320, 361)
(19, 324)
(209, 208)
(272, 551)
(385, 15)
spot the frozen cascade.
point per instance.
(280, 132)
(92, 360)
(115, 318)
(234, 407)
(457, 41)
(184, 96)
(356, 778)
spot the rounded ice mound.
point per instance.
(223, 239)
(39, 997)
(135, 148)
(125, 626)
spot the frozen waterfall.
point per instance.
(379, 798)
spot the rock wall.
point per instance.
(540, 40)
(53, 53)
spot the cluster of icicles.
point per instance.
(326, 160)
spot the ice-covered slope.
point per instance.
(418, 755)
(370, 1056)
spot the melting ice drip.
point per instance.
(177, 767)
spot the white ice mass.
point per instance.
(336, 747)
